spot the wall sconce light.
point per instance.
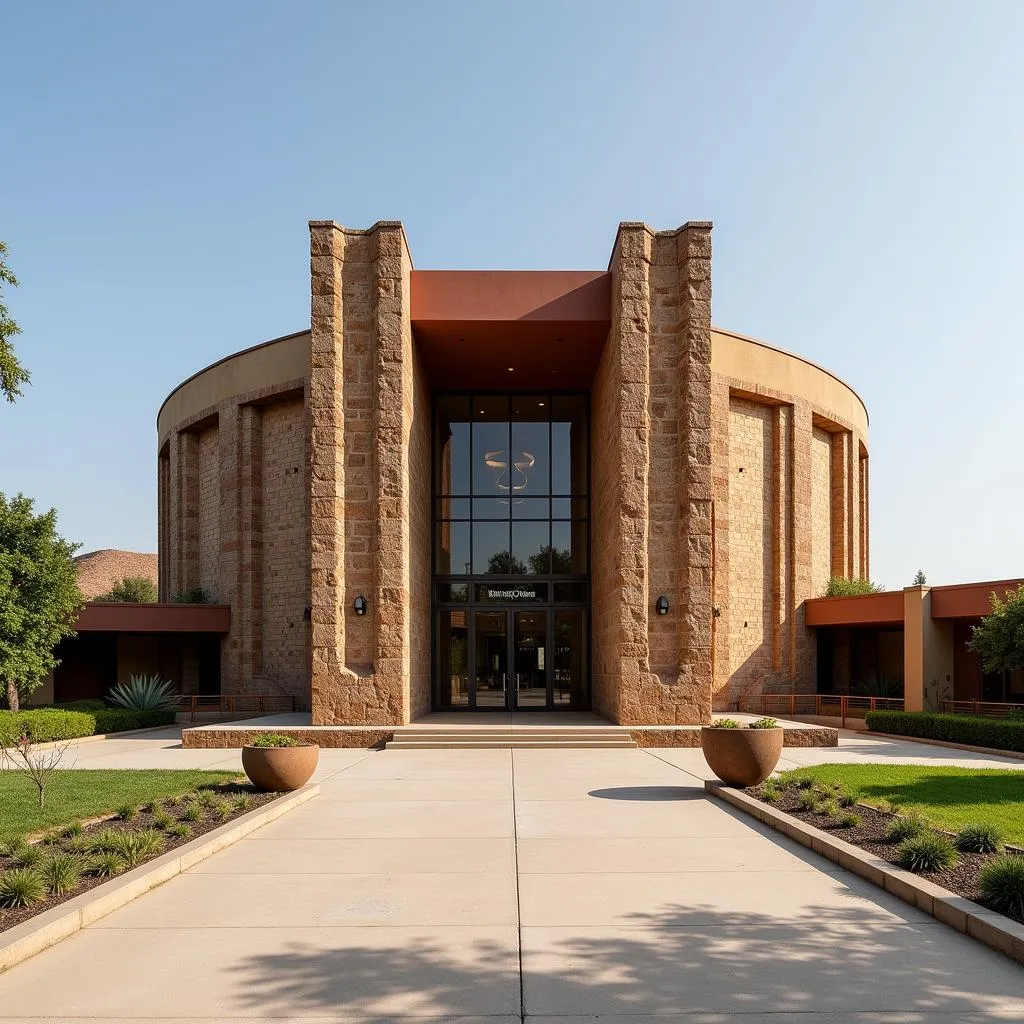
(661, 606)
(359, 605)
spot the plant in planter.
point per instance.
(742, 756)
(277, 763)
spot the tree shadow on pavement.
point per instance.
(696, 960)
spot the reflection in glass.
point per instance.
(453, 549)
(530, 458)
(531, 508)
(491, 466)
(451, 508)
(453, 649)
(451, 445)
(531, 659)
(569, 444)
(531, 547)
(569, 548)
(491, 550)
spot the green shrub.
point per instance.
(845, 799)
(1001, 883)
(103, 841)
(193, 811)
(134, 589)
(105, 864)
(979, 839)
(808, 799)
(804, 783)
(123, 719)
(135, 847)
(927, 852)
(51, 838)
(179, 830)
(839, 586)
(47, 725)
(162, 820)
(771, 791)
(74, 828)
(28, 855)
(144, 693)
(764, 723)
(828, 807)
(194, 595)
(906, 826)
(276, 739)
(127, 812)
(1000, 733)
(725, 723)
(850, 819)
(79, 844)
(12, 846)
(44, 725)
(61, 872)
(246, 802)
(21, 887)
(224, 808)
(207, 798)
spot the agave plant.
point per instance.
(144, 693)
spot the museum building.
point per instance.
(512, 490)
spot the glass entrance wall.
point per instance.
(511, 550)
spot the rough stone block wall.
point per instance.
(284, 569)
(821, 511)
(752, 546)
(208, 477)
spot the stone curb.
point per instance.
(49, 928)
(1016, 755)
(995, 931)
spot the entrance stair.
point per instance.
(514, 737)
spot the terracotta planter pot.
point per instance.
(741, 757)
(280, 769)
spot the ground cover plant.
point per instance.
(912, 816)
(167, 808)
(73, 795)
(949, 796)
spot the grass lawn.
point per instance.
(951, 797)
(74, 794)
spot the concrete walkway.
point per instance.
(500, 885)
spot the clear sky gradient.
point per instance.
(863, 164)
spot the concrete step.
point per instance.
(509, 743)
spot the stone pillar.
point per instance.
(928, 652)
(249, 645)
(360, 419)
(804, 643)
(692, 698)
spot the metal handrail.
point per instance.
(823, 705)
(230, 703)
(981, 708)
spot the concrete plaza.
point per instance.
(497, 885)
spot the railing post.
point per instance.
(843, 702)
(792, 705)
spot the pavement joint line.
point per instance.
(519, 907)
(44, 930)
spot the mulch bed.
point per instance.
(961, 879)
(9, 917)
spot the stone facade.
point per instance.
(726, 476)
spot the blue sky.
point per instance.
(862, 163)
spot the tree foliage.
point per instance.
(840, 586)
(999, 639)
(920, 580)
(12, 373)
(39, 595)
(137, 589)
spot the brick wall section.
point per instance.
(821, 510)
(163, 524)
(750, 617)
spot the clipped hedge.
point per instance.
(44, 725)
(999, 733)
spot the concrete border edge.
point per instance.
(39, 933)
(995, 931)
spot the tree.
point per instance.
(920, 579)
(839, 586)
(39, 595)
(999, 639)
(137, 589)
(12, 373)
(502, 563)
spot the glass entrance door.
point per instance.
(532, 659)
(491, 658)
